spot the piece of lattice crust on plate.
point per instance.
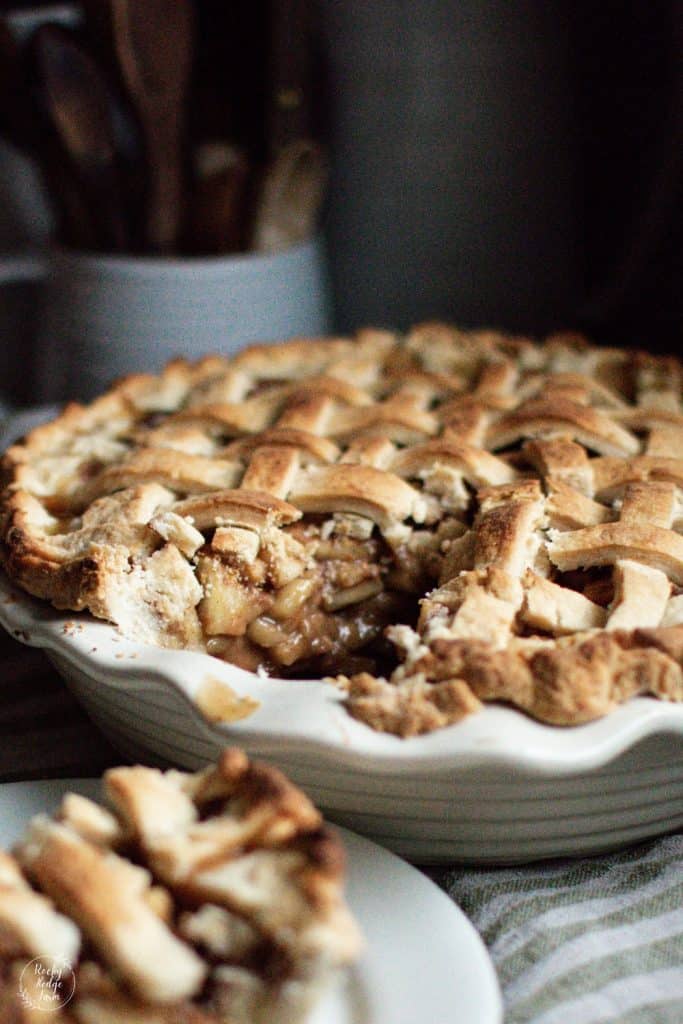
(206, 898)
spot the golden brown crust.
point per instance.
(569, 682)
(282, 508)
(208, 897)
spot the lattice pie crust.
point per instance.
(213, 898)
(440, 518)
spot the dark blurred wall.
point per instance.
(456, 161)
(514, 164)
(629, 61)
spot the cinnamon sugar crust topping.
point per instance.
(437, 519)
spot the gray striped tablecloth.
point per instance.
(583, 941)
(574, 942)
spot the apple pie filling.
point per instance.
(311, 600)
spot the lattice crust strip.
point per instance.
(439, 519)
(213, 898)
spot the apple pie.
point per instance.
(435, 519)
(207, 898)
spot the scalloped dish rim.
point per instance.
(308, 716)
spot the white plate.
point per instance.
(424, 960)
(495, 788)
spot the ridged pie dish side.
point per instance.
(308, 717)
(438, 520)
(495, 787)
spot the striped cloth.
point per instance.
(44, 732)
(583, 942)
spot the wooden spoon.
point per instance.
(75, 99)
(153, 44)
(291, 196)
(25, 125)
(217, 210)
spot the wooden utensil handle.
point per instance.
(164, 188)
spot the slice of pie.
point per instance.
(437, 519)
(208, 898)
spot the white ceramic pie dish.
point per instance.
(496, 788)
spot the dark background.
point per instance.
(630, 116)
(515, 164)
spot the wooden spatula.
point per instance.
(293, 184)
(153, 44)
(291, 196)
(24, 124)
(217, 209)
(74, 97)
